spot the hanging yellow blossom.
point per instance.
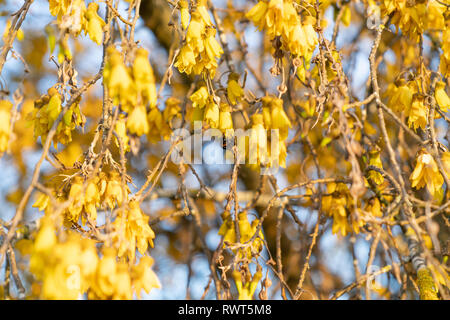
(401, 96)
(95, 24)
(5, 124)
(418, 113)
(246, 232)
(442, 99)
(234, 90)
(201, 49)
(137, 122)
(184, 11)
(225, 120)
(144, 77)
(375, 160)
(247, 289)
(200, 97)
(133, 231)
(426, 173)
(212, 113)
(144, 277)
(118, 80)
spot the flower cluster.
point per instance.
(263, 147)
(73, 17)
(200, 50)
(86, 197)
(405, 97)
(339, 204)
(246, 232)
(46, 111)
(280, 19)
(132, 231)
(68, 265)
(135, 90)
(208, 108)
(116, 280)
(414, 17)
(426, 173)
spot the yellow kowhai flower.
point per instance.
(257, 14)
(411, 19)
(281, 152)
(444, 66)
(91, 200)
(172, 109)
(46, 236)
(401, 96)
(184, 12)
(5, 124)
(144, 77)
(256, 144)
(197, 114)
(95, 24)
(74, 20)
(426, 173)
(47, 110)
(200, 97)
(373, 206)
(275, 117)
(195, 31)
(144, 277)
(42, 202)
(375, 160)
(297, 42)
(213, 50)
(200, 49)
(212, 113)
(77, 199)
(446, 162)
(311, 36)
(203, 11)
(246, 232)
(137, 122)
(64, 51)
(340, 224)
(347, 16)
(112, 279)
(418, 113)
(441, 96)
(225, 119)
(280, 18)
(156, 124)
(59, 7)
(113, 195)
(335, 205)
(66, 268)
(121, 130)
(53, 108)
(247, 289)
(118, 80)
(435, 15)
(133, 231)
(274, 18)
(185, 60)
(234, 90)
